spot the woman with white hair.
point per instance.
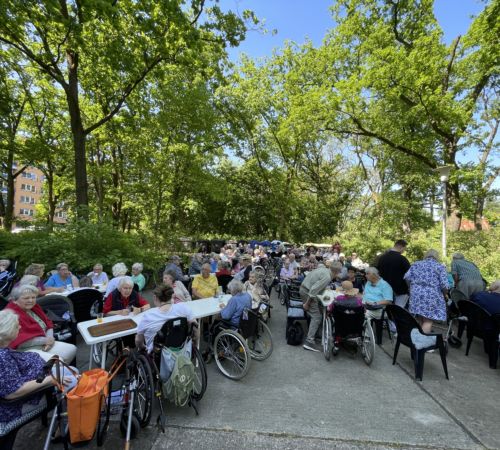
(137, 276)
(124, 300)
(36, 333)
(236, 304)
(428, 282)
(255, 287)
(119, 271)
(98, 275)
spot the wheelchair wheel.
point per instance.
(282, 293)
(231, 354)
(200, 374)
(368, 343)
(327, 338)
(261, 345)
(143, 401)
(135, 428)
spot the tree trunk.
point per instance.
(51, 200)
(71, 90)
(478, 212)
(117, 161)
(454, 212)
(9, 206)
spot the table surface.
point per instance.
(201, 308)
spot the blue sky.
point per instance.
(297, 20)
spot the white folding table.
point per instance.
(201, 308)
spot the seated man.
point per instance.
(205, 284)
(377, 293)
(175, 265)
(490, 299)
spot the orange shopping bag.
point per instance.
(85, 402)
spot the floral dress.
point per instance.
(427, 279)
(17, 368)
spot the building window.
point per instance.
(26, 212)
(28, 187)
(60, 214)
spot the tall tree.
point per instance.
(385, 73)
(98, 49)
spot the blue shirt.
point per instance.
(381, 291)
(178, 271)
(234, 308)
(56, 281)
(490, 301)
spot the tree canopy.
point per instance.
(136, 117)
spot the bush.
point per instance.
(80, 245)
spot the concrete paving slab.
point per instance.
(296, 399)
(471, 396)
(298, 392)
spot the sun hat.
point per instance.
(347, 288)
(246, 258)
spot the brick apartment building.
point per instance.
(28, 192)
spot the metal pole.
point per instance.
(444, 207)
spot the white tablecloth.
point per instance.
(201, 308)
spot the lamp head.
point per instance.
(444, 172)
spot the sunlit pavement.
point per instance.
(297, 399)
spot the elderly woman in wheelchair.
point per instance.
(346, 323)
(239, 335)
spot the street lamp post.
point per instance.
(444, 172)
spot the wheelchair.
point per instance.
(233, 348)
(348, 324)
(177, 334)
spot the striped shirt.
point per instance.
(465, 270)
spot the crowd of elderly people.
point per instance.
(27, 335)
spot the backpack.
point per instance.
(180, 385)
(294, 334)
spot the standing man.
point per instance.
(467, 276)
(392, 266)
(314, 284)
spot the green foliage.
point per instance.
(81, 245)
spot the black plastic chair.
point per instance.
(480, 323)
(223, 281)
(294, 304)
(57, 307)
(9, 430)
(83, 303)
(378, 324)
(405, 323)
